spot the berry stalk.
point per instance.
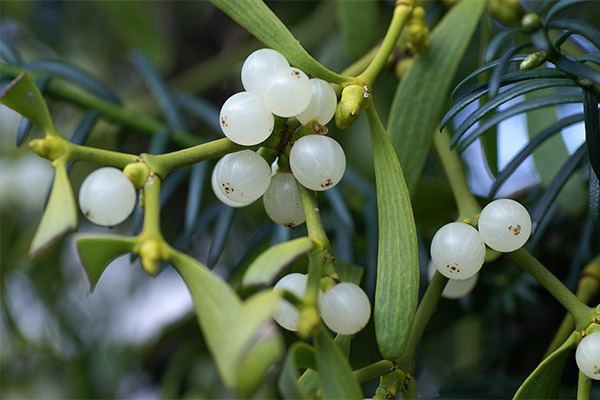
(314, 226)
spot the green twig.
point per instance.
(409, 391)
(107, 157)
(314, 226)
(584, 387)
(151, 206)
(374, 370)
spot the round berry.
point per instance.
(282, 200)
(287, 315)
(259, 66)
(317, 162)
(455, 288)
(457, 250)
(287, 92)
(107, 197)
(322, 104)
(245, 120)
(243, 176)
(587, 355)
(220, 195)
(504, 225)
(345, 308)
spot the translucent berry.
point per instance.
(287, 315)
(455, 288)
(220, 195)
(287, 92)
(245, 119)
(457, 250)
(243, 176)
(322, 104)
(587, 355)
(345, 308)
(317, 162)
(504, 225)
(107, 197)
(282, 200)
(259, 66)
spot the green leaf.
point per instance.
(499, 70)
(348, 272)
(260, 21)
(397, 260)
(359, 25)
(593, 57)
(60, 215)
(335, 374)
(267, 266)
(594, 197)
(592, 128)
(422, 93)
(498, 41)
(560, 6)
(544, 381)
(96, 252)
(23, 96)
(578, 27)
(578, 69)
(299, 356)
(24, 126)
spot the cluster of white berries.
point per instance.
(458, 249)
(247, 118)
(344, 308)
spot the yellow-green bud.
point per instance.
(137, 173)
(534, 60)
(150, 255)
(347, 110)
(417, 32)
(50, 147)
(531, 22)
(403, 66)
(508, 12)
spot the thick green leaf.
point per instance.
(23, 96)
(592, 128)
(418, 102)
(544, 381)
(498, 41)
(499, 70)
(60, 215)
(265, 267)
(221, 232)
(397, 260)
(299, 356)
(260, 21)
(335, 374)
(359, 24)
(24, 126)
(96, 252)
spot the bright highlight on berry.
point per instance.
(107, 197)
(287, 315)
(287, 92)
(457, 250)
(587, 355)
(282, 200)
(245, 120)
(243, 176)
(322, 104)
(455, 288)
(504, 225)
(318, 162)
(345, 308)
(259, 66)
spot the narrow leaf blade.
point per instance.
(358, 20)
(300, 355)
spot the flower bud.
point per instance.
(349, 106)
(137, 173)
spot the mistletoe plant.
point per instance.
(289, 99)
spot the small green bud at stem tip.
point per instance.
(137, 173)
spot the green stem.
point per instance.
(424, 312)
(314, 226)
(581, 313)
(374, 370)
(401, 15)
(84, 153)
(151, 194)
(468, 207)
(409, 391)
(584, 387)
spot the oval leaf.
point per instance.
(397, 260)
(299, 356)
(359, 24)
(265, 267)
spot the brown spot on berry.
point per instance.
(227, 188)
(296, 74)
(224, 121)
(88, 213)
(453, 268)
(327, 183)
(289, 224)
(515, 229)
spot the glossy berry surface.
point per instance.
(587, 355)
(504, 225)
(345, 308)
(286, 314)
(457, 250)
(322, 104)
(243, 176)
(259, 66)
(245, 120)
(318, 162)
(282, 200)
(287, 92)
(455, 288)
(220, 195)
(107, 197)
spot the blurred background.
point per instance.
(136, 336)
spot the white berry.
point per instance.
(287, 315)
(219, 194)
(322, 104)
(345, 308)
(259, 66)
(245, 120)
(287, 92)
(457, 250)
(318, 162)
(455, 288)
(587, 355)
(107, 197)
(243, 176)
(282, 200)
(504, 225)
